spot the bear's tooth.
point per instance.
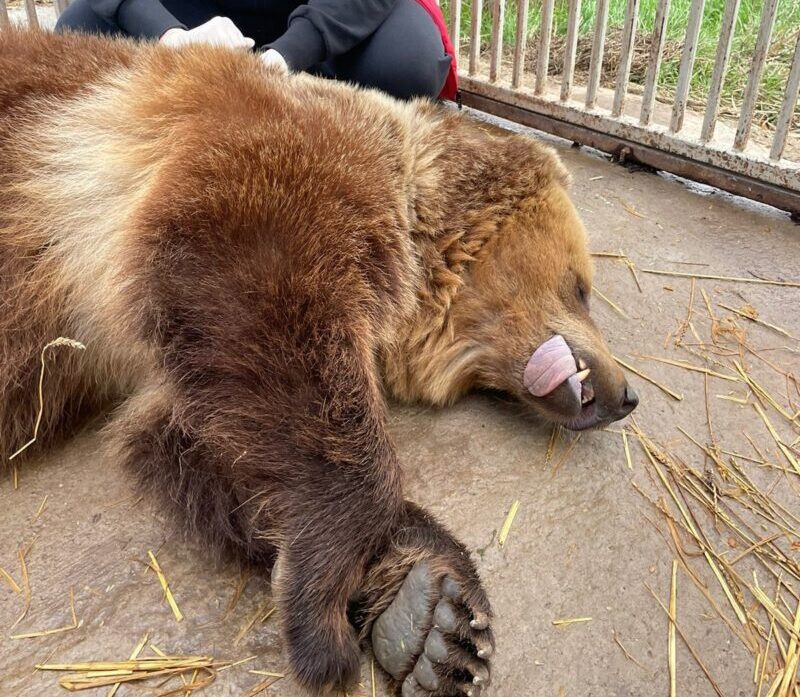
(583, 374)
(582, 364)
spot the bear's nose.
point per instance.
(630, 401)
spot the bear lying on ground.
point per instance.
(251, 261)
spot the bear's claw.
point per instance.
(432, 640)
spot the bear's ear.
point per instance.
(553, 164)
(543, 160)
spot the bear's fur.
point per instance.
(250, 261)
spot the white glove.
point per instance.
(219, 31)
(274, 61)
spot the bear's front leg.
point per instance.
(322, 490)
(266, 429)
(321, 564)
(424, 612)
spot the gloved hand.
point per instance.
(219, 31)
(274, 61)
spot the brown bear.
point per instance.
(253, 262)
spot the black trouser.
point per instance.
(404, 56)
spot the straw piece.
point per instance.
(512, 513)
(647, 444)
(241, 584)
(766, 655)
(238, 663)
(628, 208)
(772, 609)
(710, 277)
(165, 586)
(134, 655)
(792, 659)
(673, 617)
(58, 630)
(60, 341)
(614, 305)
(632, 268)
(10, 581)
(653, 381)
(684, 326)
(625, 651)
(372, 677)
(689, 646)
(41, 508)
(622, 257)
(26, 585)
(258, 617)
(688, 366)
(91, 675)
(761, 393)
(564, 457)
(735, 630)
(627, 449)
(783, 447)
(261, 686)
(192, 685)
(551, 445)
(753, 317)
(267, 673)
(88, 682)
(737, 400)
(144, 664)
(573, 620)
(610, 255)
(753, 547)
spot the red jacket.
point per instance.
(450, 88)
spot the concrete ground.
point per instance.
(580, 545)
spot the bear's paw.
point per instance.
(434, 638)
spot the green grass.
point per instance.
(775, 74)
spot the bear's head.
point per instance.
(507, 307)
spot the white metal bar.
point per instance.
(598, 48)
(545, 35)
(496, 45)
(455, 26)
(30, 11)
(624, 71)
(654, 62)
(720, 68)
(570, 49)
(4, 20)
(687, 65)
(521, 41)
(787, 108)
(475, 37)
(756, 71)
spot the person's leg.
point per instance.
(80, 17)
(193, 13)
(404, 57)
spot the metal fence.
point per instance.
(495, 78)
(498, 79)
(32, 15)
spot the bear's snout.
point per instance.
(580, 389)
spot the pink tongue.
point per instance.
(549, 366)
